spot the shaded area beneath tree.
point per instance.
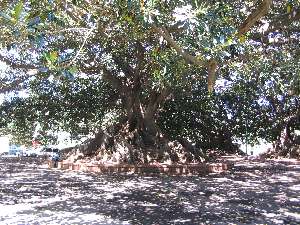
(252, 193)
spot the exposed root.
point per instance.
(134, 147)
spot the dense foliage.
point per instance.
(143, 62)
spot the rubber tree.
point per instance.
(144, 50)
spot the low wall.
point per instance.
(173, 169)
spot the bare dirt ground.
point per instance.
(251, 193)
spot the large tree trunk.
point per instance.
(288, 142)
(136, 138)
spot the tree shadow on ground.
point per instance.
(251, 193)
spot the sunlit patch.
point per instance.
(221, 179)
(294, 200)
(247, 195)
(281, 178)
(270, 215)
(281, 197)
(218, 198)
(181, 221)
(147, 204)
(256, 174)
(293, 215)
(7, 210)
(295, 188)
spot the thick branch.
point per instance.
(15, 65)
(113, 80)
(211, 70)
(280, 24)
(285, 20)
(187, 57)
(118, 59)
(140, 56)
(13, 86)
(256, 15)
(155, 100)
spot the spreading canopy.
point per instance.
(134, 56)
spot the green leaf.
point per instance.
(242, 38)
(18, 10)
(73, 70)
(289, 8)
(229, 41)
(53, 56)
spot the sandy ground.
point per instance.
(251, 193)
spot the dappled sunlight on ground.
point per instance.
(252, 193)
